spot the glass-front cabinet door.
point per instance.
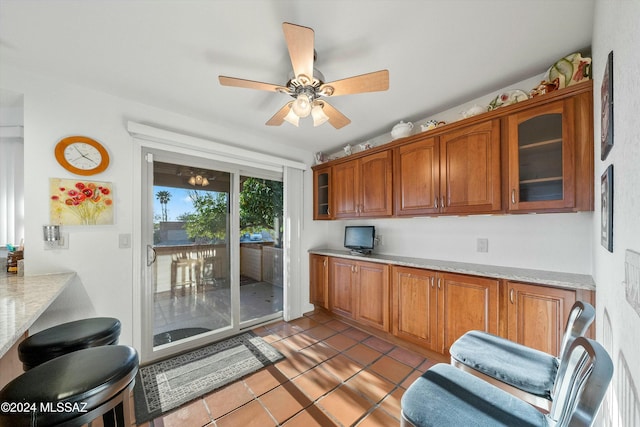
(541, 158)
(322, 193)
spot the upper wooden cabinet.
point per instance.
(548, 158)
(532, 156)
(322, 193)
(417, 178)
(362, 187)
(457, 172)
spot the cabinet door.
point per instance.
(541, 157)
(375, 185)
(372, 294)
(537, 315)
(470, 169)
(319, 280)
(417, 178)
(345, 187)
(341, 278)
(466, 303)
(414, 306)
(322, 193)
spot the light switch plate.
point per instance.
(124, 240)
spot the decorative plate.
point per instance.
(508, 98)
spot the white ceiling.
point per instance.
(168, 54)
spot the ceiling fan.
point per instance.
(307, 85)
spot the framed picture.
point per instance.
(606, 94)
(80, 202)
(606, 203)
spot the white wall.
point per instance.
(616, 28)
(53, 110)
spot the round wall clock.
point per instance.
(82, 155)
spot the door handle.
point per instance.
(151, 251)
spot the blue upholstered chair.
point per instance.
(446, 396)
(526, 373)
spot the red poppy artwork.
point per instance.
(80, 202)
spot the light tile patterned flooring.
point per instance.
(333, 375)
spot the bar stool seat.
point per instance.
(74, 389)
(66, 338)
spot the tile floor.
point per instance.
(333, 375)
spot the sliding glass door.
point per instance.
(213, 234)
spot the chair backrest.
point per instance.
(580, 318)
(583, 377)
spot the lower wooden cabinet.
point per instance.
(414, 306)
(434, 309)
(537, 315)
(319, 280)
(360, 290)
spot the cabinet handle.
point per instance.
(438, 283)
(324, 263)
(513, 196)
(435, 202)
(328, 211)
(511, 296)
(432, 281)
(355, 268)
(442, 202)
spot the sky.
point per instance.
(178, 204)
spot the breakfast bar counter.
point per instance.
(23, 300)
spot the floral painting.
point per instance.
(80, 202)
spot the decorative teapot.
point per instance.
(401, 130)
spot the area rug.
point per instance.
(168, 384)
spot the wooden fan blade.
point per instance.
(249, 84)
(371, 82)
(300, 43)
(336, 118)
(278, 117)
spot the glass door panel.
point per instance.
(540, 158)
(191, 273)
(261, 245)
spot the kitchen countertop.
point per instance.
(23, 300)
(541, 277)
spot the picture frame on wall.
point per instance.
(606, 209)
(606, 94)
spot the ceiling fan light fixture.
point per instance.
(302, 105)
(318, 114)
(292, 117)
(192, 180)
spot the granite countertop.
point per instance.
(542, 277)
(23, 300)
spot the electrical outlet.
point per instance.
(379, 240)
(483, 245)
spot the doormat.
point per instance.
(170, 383)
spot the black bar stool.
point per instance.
(66, 338)
(73, 390)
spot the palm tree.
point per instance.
(163, 197)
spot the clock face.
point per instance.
(82, 155)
